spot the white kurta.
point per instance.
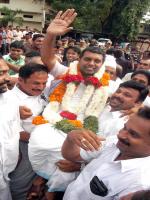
(35, 103)
(120, 177)
(45, 146)
(9, 141)
(114, 85)
(45, 150)
(110, 122)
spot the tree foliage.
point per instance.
(117, 17)
(11, 16)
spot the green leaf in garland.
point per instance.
(64, 126)
(91, 123)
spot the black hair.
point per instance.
(93, 50)
(118, 53)
(144, 112)
(32, 54)
(141, 195)
(110, 51)
(18, 45)
(143, 90)
(27, 70)
(119, 70)
(35, 36)
(143, 72)
(75, 49)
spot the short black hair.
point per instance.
(27, 70)
(143, 72)
(143, 90)
(141, 195)
(32, 54)
(94, 50)
(35, 36)
(144, 112)
(75, 49)
(118, 53)
(110, 51)
(18, 45)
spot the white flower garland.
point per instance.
(94, 108)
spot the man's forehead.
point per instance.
(89, 53)
(138, 124)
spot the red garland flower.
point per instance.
(73, 78)
(93, 81)
(68, 115)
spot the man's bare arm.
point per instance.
(59, 26)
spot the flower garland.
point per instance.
(96, 90)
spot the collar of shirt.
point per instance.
(23, 95)
(129, 164)
(114, 114)
(20, 60)
(134, 163)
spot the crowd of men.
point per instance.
(40, 160)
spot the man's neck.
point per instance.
(123, 157)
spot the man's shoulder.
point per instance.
(58, 69)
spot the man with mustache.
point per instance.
(129, 95)
(27, 92)
(9, 133)
(116, 168)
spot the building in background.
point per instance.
(33, 12)
(145, 27)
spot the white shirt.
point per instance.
(110, 122)
(48, 86)
(9, 137)
(58, 69)
(18, 35)
(114, 85)
(147, 101)
(120, 177)
(127, 77)
(35, 103)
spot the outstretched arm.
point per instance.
(59, 26)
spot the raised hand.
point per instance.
(61, 23)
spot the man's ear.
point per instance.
(20, 79)
(138, 104)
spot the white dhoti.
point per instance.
(44, 151)
(5, 193)
(4, 187)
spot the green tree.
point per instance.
(11, 16)
(125, 18)
(118, 17)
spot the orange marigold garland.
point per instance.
(58, 93)
(105, 79)
(39, 120)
